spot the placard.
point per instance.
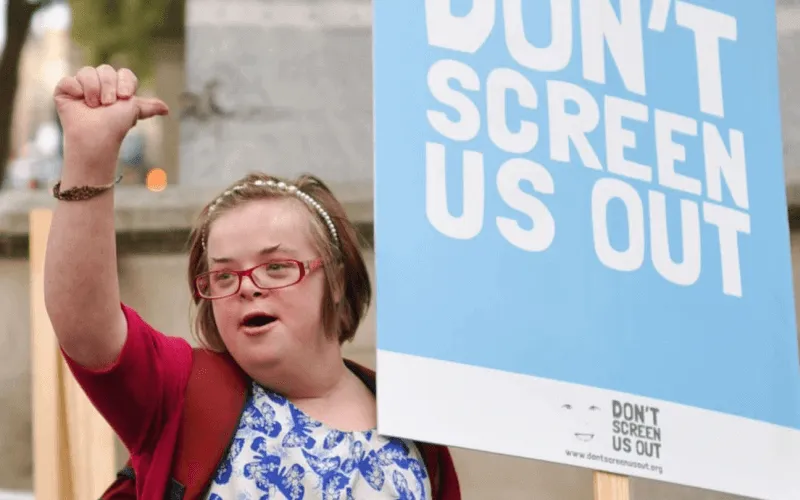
(581, 237)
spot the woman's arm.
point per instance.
(97, 107)
(80, 271)
(133, 374)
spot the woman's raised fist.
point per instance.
(99, 105)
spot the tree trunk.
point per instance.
(18, 23)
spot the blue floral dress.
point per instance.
(280, 453)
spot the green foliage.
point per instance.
(122, 32)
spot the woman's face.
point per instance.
(252, 234)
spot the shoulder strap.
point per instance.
(364, 374)
(215, 399)
(124, 486)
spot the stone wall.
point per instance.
(283, 87)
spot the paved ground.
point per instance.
(15, 495)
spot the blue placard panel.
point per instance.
(588, 193)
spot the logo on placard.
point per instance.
(583, 420)
(635, 433)
(636, 429)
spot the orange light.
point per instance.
(156, 180)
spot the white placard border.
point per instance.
(525, 416)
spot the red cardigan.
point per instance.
(142, 395)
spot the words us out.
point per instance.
(729, 222)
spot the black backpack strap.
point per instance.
(127, 472)
(175, 490)
(367, 378)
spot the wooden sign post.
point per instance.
(51, 478)
(73, 446)
(611, 486)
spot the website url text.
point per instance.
(616, 461)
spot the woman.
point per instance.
(280, 284)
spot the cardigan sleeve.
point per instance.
(145, 385)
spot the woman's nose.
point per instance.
(248, 288)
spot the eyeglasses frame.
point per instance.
(306, 267)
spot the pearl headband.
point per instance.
(282, 186)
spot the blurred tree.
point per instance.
(18, 21)
(122, 32)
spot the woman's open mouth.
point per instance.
(255, 323)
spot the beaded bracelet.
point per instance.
(80, 193)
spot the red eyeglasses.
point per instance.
(270, 275)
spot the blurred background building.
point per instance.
(282, 87)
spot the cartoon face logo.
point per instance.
(582, 420)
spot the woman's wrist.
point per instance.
(88, 166)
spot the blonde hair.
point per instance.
(335, 238)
